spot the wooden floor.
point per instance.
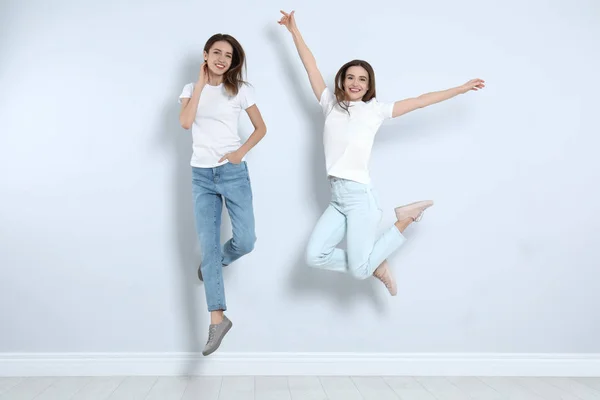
(298, 388)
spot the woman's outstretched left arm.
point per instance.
(407, 105)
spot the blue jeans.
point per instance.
(354, 210)
(210, 186)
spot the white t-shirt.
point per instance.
(348, 139)
(215, 128)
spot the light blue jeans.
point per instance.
(210, 186)
(353, 211)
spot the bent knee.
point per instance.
(247, 245)
(314, 257)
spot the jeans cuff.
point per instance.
(217, 308)
(400, 234)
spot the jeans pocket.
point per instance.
(245, 164)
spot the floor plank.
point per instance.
(99, 388)
(509, 389)
(306, 388)
(63, 388)
(237, 388)
(271, 388)
(28, 388)
(134, 388)
(475, 388)
(584, 392)
(203, 388)
(544, 389)
(442, 388)
(8, 383)
(168, 388)
(593, 383)
(408, 388)
(374, 388)
(340, 388)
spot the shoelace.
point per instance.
(211, 332)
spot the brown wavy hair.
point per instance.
(232, 79)
(340, 77)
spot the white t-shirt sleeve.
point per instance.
(187, 92)
(384, 110)
(246, 96)
(327, 101)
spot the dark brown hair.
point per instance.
(232, 79)
(340, 77)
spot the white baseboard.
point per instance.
(323, 364)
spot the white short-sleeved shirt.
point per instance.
(215, 128)
(348, 138)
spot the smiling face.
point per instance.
(226, 60)
(219, 57)
(356, 83)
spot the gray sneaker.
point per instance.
(216, 333)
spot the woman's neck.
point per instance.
(214, 80)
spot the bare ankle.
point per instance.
(216, 317)
(402, 225)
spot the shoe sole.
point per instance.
(219, 342)
(394, 289)
(394, 292)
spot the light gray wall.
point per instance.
(97, 243)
